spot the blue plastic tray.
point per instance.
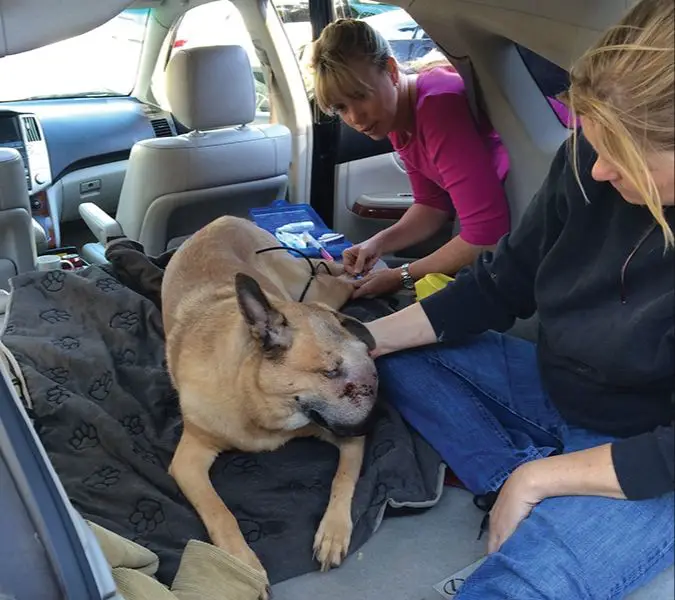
(281, 212)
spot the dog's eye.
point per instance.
(332, 374)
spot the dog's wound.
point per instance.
(354, 392)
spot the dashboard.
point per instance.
(76, 150)
(23, 133)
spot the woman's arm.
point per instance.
(468, 170)
(598, 471)
(407, 328)
(584, 473)
(467, 182)
(448, 259)
(418, 223)
(499, 287)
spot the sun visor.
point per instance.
(28, 24)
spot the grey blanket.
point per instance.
(92, 353)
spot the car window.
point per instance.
(215, 24)
(101, 62)
(410, 44)
(551, 79)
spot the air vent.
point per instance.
(32, 129)
(161, 127)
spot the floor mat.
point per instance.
(92, 353)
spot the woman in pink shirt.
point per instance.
(456, 165)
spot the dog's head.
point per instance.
(314, 364)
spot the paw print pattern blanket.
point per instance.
(92, 353)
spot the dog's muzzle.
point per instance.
(342, 429)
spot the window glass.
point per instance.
(101, 62)
(410, 44)
(551, 79)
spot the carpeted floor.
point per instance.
(410, 554)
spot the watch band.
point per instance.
(406, 277)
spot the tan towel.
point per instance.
(121, 552)
(205, 572)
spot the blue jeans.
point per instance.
(483, 408)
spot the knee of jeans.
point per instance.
(502, 577)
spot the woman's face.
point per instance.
(661, 166)
(372, 113)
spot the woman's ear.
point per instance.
(393, 70)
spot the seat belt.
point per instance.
(270, 80)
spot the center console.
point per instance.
(23, 132)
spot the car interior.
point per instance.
(137, 120)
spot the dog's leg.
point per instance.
(190, 467)
(336, 268)
(331, 542)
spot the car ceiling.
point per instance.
(557, 30)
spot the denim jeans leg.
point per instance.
(581, 547)
(481, 406)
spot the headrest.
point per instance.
(13, 187)
(211, 87)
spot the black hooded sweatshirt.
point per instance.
(600, 277)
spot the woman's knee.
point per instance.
(404, 365)
(533, 577)
(411, 378)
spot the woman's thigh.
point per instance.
(481, 405)
(579, 547)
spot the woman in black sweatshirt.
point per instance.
(575, 433)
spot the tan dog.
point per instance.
(254, 368)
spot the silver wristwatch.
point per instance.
(406, 278)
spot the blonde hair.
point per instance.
(340, 44)
(624, 85)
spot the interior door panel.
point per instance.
(372, 192)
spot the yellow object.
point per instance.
(430, 284)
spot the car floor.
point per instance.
(410, 554)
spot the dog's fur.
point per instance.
(255, 368)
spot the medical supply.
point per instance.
(430, 284)
(327, 238)
(314, 243)
(297, 227)
(291, 240)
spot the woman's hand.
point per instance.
(515, 502)
(360, 258)
(378, 283)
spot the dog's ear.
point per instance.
(267, 325)
(357, 329)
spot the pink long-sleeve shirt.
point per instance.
(455, 164)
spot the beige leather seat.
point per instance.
(17, 236)
(225, 165)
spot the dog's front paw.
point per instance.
(331, 542)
